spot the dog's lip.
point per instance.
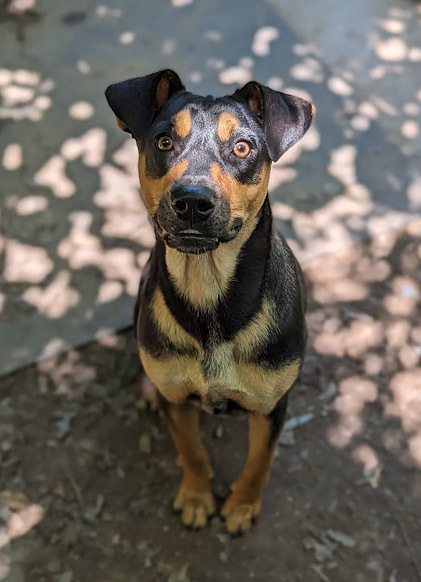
(193, 234)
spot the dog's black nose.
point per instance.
(195, 203)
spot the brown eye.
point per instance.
(242, 149)
(164, 143)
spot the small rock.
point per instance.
(145, 444)
(340, 538)
(223, 556)
(287, 438)
(298, 420)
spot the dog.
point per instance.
(220, 314)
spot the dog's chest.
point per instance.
(219, 380)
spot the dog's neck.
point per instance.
(203, 281)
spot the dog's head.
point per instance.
(204, 162)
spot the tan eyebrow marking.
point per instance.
(182, 122)
(227, 124)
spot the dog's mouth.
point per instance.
(192, 241)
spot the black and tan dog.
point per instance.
(220, 312)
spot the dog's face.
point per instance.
(204, 162)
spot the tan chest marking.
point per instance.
(169, 326)
(253, 387)
(227, 124)
(154, 189)
(203, 279)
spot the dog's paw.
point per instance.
(195, 505)
(239, 511)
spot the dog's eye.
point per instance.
(164, 143)
(242, 149)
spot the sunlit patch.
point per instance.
(275, 83)
(31, 205)
(56, 299)
(181, 3)
(127, 37)
(404, 297)
(109, 338)
(12, 157)
(308, 70)
(26, 263)
(109, 291)
(262, 39)
(354, 393)
(69, 374)
(53, 176)
(125, 214)
(236, 74)
(81, 110)
(393, 26)
(82, 249)
(89, 146)
(2, 301)
(196, 77)
(410, 129)
(22, 94)
(339, 86)
(393, 49)
(414, 193)
(414, 54)
(368, 458)
(83, 67)
(21, 6)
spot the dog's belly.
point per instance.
(218, 380)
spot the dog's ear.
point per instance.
(284, 118)
(136, 102)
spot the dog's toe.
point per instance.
(195, 507)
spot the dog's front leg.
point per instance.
(195, 499)
(245, 501)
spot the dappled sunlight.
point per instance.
(56, 299)
(70, 376)
(53, 176)
(12, 157)
(262, 40)
(376, 340)
(31, 205)
(23, 94)
(81, 110)
(25, 263)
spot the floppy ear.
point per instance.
(136, 102)
(284, 118)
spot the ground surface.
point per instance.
(344, 500)
(87, 472)
(74, 233)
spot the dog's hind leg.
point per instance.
(245, 501)
(195, 499)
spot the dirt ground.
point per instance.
(88, 471)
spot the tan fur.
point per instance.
(195, 498)
(153, 190)
(203, 279)
(245, 501)
(169, 326)
(120, 124)
(162, 91)
(245, 199)
(182, 122)
(251, 386)
(256, 331)
(227, 124)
